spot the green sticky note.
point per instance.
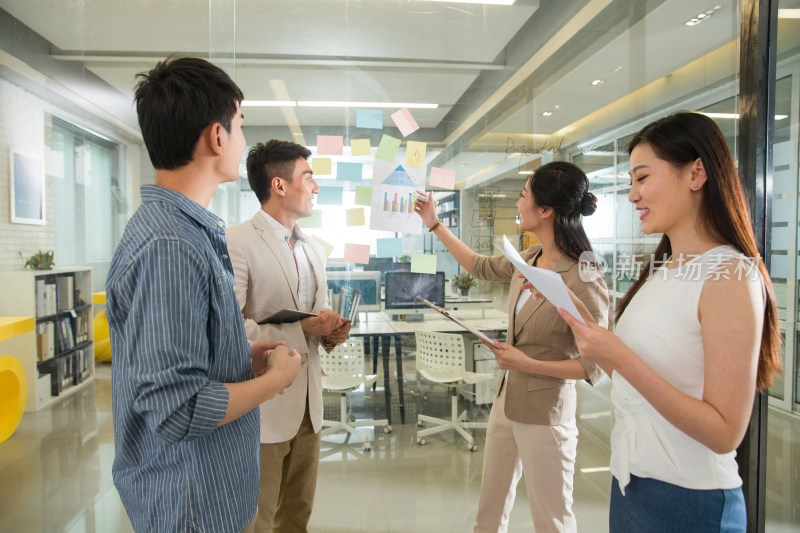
(423, 264)
(364, 196)
(321, 166)
(387, 149)
(314, 221)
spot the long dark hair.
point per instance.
(680, 139)
(565, 188)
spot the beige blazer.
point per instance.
(541, 333)
(266, 282)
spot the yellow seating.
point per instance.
(102, 342)
(13, 395)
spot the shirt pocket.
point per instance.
(542, 383)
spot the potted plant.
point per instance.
(40, 260)
(464, 282)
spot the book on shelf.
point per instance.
(45, 339)
(66, 291)
(50, 307)
(40, 297)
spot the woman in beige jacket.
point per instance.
(532, 429)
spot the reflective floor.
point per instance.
(56, 469)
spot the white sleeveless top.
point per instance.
(660, 325)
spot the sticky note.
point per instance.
(329, 144)
(405, 122)
(369, 118)
(330, 196)
(328, 247)
(441, 177)
(387, 149)
(356, 253)
(363, 196)
(424, 264)
(314, 221)
(360, 147)
(390, 247)
(321, 166)
(355, 216)
(415, 154)
(348, 171)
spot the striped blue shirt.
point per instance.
(177, 335)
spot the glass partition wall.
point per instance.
(495, 90)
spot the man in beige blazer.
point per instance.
(276, 267)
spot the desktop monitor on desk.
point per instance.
(402, 288)
(367, 283)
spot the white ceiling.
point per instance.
(397, 51)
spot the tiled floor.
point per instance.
(56, 470)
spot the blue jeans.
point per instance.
(652, 506)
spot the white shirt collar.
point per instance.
(282, 231)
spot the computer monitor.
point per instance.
(367, 283)
(402, 289)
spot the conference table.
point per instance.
(380, 329)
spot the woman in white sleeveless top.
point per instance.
(696, 336)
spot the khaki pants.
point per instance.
(545, 455)
(288, 481)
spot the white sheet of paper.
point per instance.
(550, 284)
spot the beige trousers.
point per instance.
(545, 455)
(288, 481)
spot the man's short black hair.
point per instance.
(268, 160)
(176, 101)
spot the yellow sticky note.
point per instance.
(355, 217)
(360, 147)
(415, 154)
(328, 247)
(423, 264)
(321, 166)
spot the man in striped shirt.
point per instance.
(185, 382)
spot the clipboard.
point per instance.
(467, 327)
(284, 316)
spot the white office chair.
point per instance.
(440, 358)
(344, 369)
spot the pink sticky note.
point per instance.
(356, 253)
(329, 144)
(440, 177)
(405, 122)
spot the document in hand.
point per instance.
(546, 281)
(285, 315)
(467, 327)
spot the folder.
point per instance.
(285, 316)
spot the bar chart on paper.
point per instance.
(398, 203)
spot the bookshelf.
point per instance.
(59, 358)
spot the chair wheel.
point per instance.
(473, 447)
(421, 441)
(387, 429)
(420, 424)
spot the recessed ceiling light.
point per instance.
(526, 172)
(489, 2)
(598, 82)
(620, 67)
(734, 115)
(547, 113)
(268, 103)
(556, 106)
(702, 17)
(308, 103)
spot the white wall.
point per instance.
(24, 126)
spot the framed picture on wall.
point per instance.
(27, 188)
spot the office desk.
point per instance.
(382, 329)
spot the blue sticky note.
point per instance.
(348, 171)
(390, 247)
(369, 118)
(330, 196)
